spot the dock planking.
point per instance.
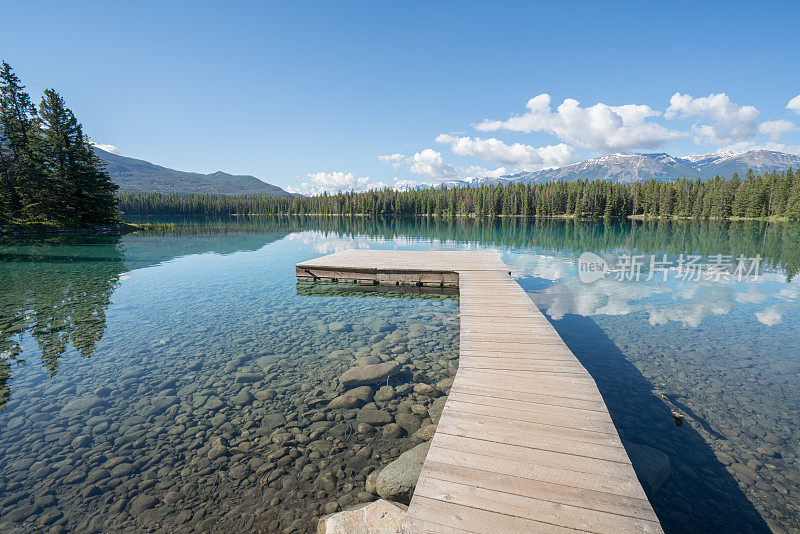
(525, 442)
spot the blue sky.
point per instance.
(353, 94)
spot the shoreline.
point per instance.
(43, 229)
(475, 216)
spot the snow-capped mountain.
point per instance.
(759, 160)
(627, 168)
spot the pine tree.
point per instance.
(18, 169)
(78, 190)
(793, 203)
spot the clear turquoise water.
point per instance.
(125, 362)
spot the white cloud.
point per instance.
(744, 146)
(428, 163)
(789, 293)
(327, 242)
(781, 147)
(517, 155)
(770, 317)
(395, 160)
(776, 129)
(331, 182)
(752, 296)
(729, 122)
(108, 148)
(598, 127)
(794, 104)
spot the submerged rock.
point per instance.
(343, 402)
(398, 479)
(385, 394)
(379, 517)
(427, 389)
(425, 433)
(339, 326)
(81, 405)
(408, 421)
(372, 416)
(435, 410)
(362, 393)
(142, 503)
(368, 374)
(248, 378)
(371, 484)
(367, 360)
(445, 384)
(392, 431)
(341, 355)
(242, 398)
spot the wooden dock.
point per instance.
(525, 442)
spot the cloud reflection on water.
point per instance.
(684, 302)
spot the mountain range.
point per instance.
(626, 168)
(139, 176)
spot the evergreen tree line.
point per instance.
(770, 194)
(48, 171)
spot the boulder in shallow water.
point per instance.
(427, 389)
(651, 465)
(343, 402)
(379, 517)
(243, 398)
(408, 421)
(142, 503)
(248, 378)
(81, 405)
(339, 326)
(392, 431)
(436, 408)
(367, 360)
(341, 355)
(368, 374)
(371, 416)
(396, 481)
(384, 394)
(425, 433)
(362, 393)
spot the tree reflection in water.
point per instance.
(57, 295)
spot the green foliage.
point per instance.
(17, 158)
(768, 195)
(48, 171)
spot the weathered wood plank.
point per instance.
(518, 479)
(581, 441)
(546, 415)
(575, 518)
(469, 519)
(616, 473)
(546, 397)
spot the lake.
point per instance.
(183, 379)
